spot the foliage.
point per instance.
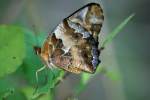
(19, 64)
(12, 49)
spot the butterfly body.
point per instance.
(73, 45)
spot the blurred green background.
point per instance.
(25, 23)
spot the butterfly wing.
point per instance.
(74, 42)
(90, 17)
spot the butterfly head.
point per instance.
(37, 50)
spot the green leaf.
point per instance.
(53, 77)
(32, 61)
(28, 92)
(12, 48)
(10, 91)
(7, 93)
(116, 31)
(5, 88)
(17, 95)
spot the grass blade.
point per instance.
(116, 31)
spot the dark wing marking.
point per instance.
(90, 17)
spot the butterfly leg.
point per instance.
(39, 70)
(51, 66)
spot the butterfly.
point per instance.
(73, 44)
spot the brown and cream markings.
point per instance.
(73, 45)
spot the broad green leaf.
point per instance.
(114, 33)
(12, 48)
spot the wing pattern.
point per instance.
(73, 45)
